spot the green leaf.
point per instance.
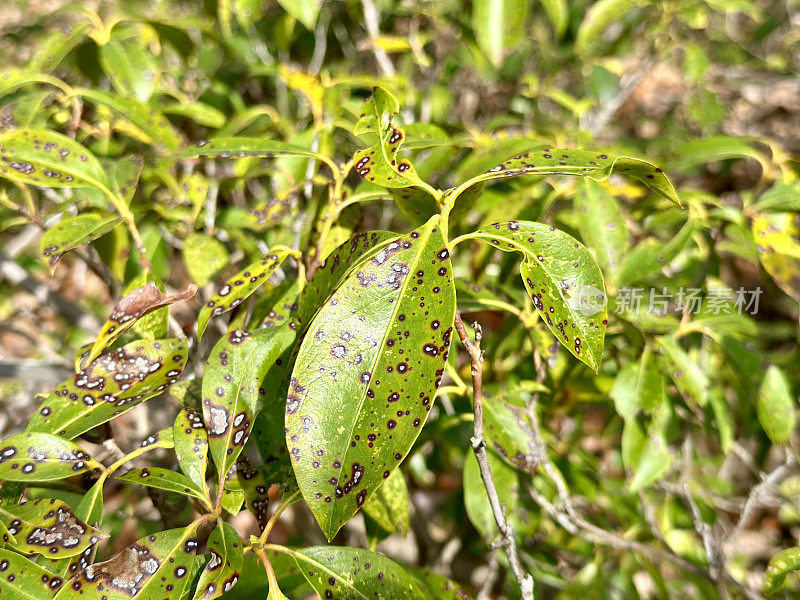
(199, 112)
(25, 580)
(355, 574)
(563, 280)
(131, 307)
(49, 159)
(203, 256)
(48, 527)
(780, 197)
(775, 406)
(305, 11)
(110, 386)
(388, 506)
(595, 165)
(232, 389)
(150, 567)
(653, 463)
(130, 68)
(255, 483)
(509, 434)
(718, 147)
(599, 16)
(225, 567)
(476, 502)
(558, 13)
(191, 445)
(689, 378)
(124, 175)
(30, 457)
(782, 564)
(638, 386)
(164, 479)
(49, 54)
(73, 232)
(498, 25)
(356, 404)
(240, 286)
(601, 224)
(777, 238)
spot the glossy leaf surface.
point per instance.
(388, 506)
(30, 457)
(48, 527)
(563, 281)
(240, 286)
(73, 232)
(232, 389)
(191, 445)
(25, 580)
(163, 479)
(111, 385)
(222, 572)
(367, 372)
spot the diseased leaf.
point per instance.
(164, 479)
(30, 457)
(56, 46)
(509, 434)
(225, 567)
(191, 446)
(203, 256)
(255, 484)
(438, 586)
(563, 281)
(232, 389)
(73, 232)
(367, 373)
(46, 158)
(48, 527)
(133, 306)
(240, 286)
(777, 238)
(110, 386)
(25, 580)
(124, 175)
(595, 165)
(342, 573)
(388, 506)
(782, 564)
(151, 567)
(776, 407)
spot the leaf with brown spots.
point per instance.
(48, 527)
(595, 165)
(165, 479)
(367, 373)
(388, 506)
(73, 232)
(509, 434)
(30, 457)
(25, 580)
(239, 287)
(224, 568)
(110, 386)
(191, 446)
(49, 159)
(341, 573)
(255, 483)
(155, 566)
(563, 280)
(777, 238)
(232, 388)
(131, 307)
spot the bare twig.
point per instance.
(524, 580)
(372, 21)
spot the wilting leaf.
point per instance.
(164, 479)
(585, 163)
(367, 372)
(498, 25)
(151, 567)
(48, 527)
(782, 564)
(777, 238)
(49, 159)
(438, 586)
(776, 407)
(354, 574)
(203, 256)
(25, 580)
(239, 287)
(225, 567)
(131, 307)
(336, 267)
(33, 457)
(191, 445)
(563, 280)
(601, 225)
(232, 389)
(388, 506)
(111, 385)
(73, 232)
